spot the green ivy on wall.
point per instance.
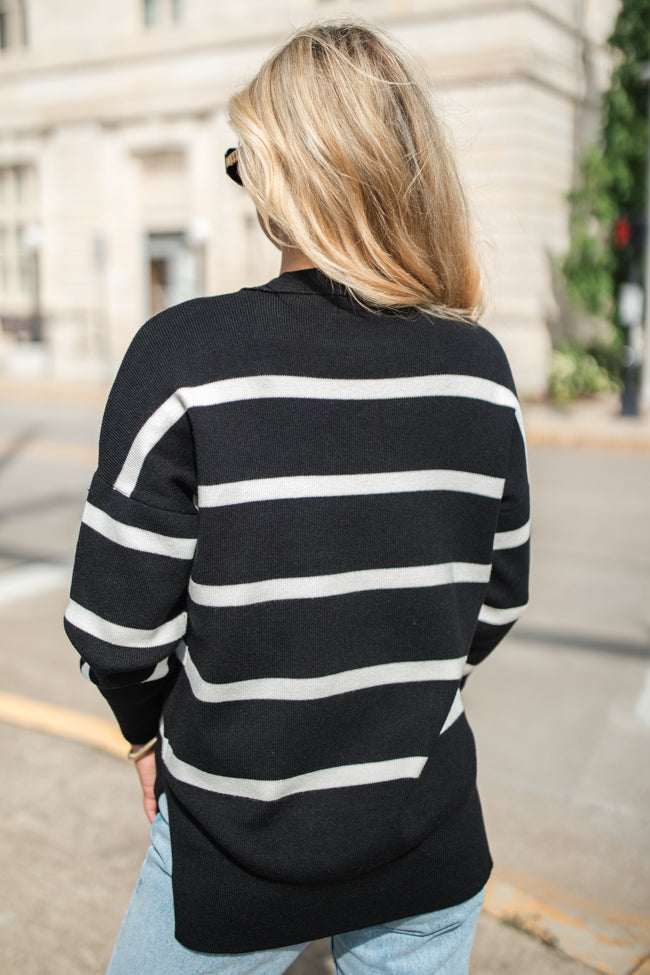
(612, 176)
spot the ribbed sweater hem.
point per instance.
(222, 908)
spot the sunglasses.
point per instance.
(231, 166)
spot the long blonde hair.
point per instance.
(345, 160)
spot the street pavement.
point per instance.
(561, 712)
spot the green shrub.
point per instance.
(576, 371)
(609, 355)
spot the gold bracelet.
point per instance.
(136, 753)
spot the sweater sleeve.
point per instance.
(127, 610)
(507, 592)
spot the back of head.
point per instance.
(345, 160)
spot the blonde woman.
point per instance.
(309, 522)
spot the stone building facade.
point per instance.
(113, 201)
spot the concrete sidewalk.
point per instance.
(72, 840)
(74, 833)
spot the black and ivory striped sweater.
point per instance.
(307, 523)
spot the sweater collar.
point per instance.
(307, 281)
(312, 281)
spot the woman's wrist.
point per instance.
(139, 751)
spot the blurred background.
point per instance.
(114, 204)
(112, 195)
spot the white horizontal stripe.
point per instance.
(160, 670)
(270, 790)
(301, 387)
(499, 617)
(512, 539)
(125, 636)
(137, 538)
(336, 485)
(313, 688)
(467, 669)
(147, 437)
(455, 712)
(338, 584)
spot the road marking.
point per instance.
(32, 580)
(642, 709)
(86, 729)
(612, 942)
(61, 451)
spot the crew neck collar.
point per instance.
(311, 281)
(305, 281)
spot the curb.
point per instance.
(596, 424)
(540, 436)
(608, 941)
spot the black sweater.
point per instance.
(308, 522)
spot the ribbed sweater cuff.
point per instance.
(137, 709)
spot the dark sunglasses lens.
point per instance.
(231, 166)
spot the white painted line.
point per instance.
(642, 709)
(28, 581)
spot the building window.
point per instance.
(157, 12)
(150, 12)
(20, 184)
(24, 260)
(4, 261)
(172, 268)
(18, 226)
(13, 24)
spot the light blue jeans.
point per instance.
(429, 944)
